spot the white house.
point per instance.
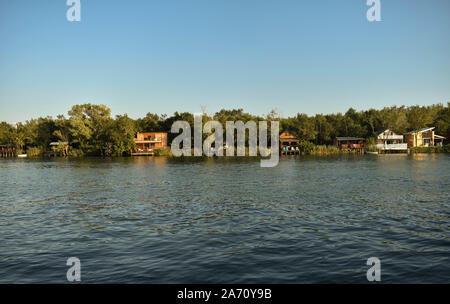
(387, 140)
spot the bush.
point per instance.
(34, 152)
(306, 146)
(162, 152)
(371, 148)
(76, 153)
(447, 148)
(432, 149)
(324, 149)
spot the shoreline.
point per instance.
(204, 157)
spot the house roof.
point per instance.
(385, 130)
(287, 134)
(153, 132)
(382, 131)
(147, 141)
(420, 131)
(439, 136)
(349, 138)
(57, 143)
(288, 139)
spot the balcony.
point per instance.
(391, 137)
(402, 146)
(148, 140)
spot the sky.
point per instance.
(295, 56)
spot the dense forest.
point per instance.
(90, 129)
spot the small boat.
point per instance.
(371, 152)
(21, 155)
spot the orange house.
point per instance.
(147, 142)
(288, 143)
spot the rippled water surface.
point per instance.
(153, 220)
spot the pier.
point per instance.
(290, 152)
(8, 151)
(141, 152)
(59, 153)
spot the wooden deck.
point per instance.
(8, 151)
(290, 152)
(54, 153)
(145, 153)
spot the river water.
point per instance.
(156, 220)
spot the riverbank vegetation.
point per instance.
(91, 130)
(434, 149)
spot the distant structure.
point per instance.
(423, 138)
(147, 142)
(387, 141)
(288, 144)
(9, 150)
(58, 148)
(350, 143)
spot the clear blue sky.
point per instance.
(312, 56)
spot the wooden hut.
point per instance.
(58, 148)
(350, 143)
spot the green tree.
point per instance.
(443, 121)
(62, 132)
(150, 123)
(88, 126)
(120, 136)
(7, 133)
(418, 117)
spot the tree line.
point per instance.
(91, 130)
